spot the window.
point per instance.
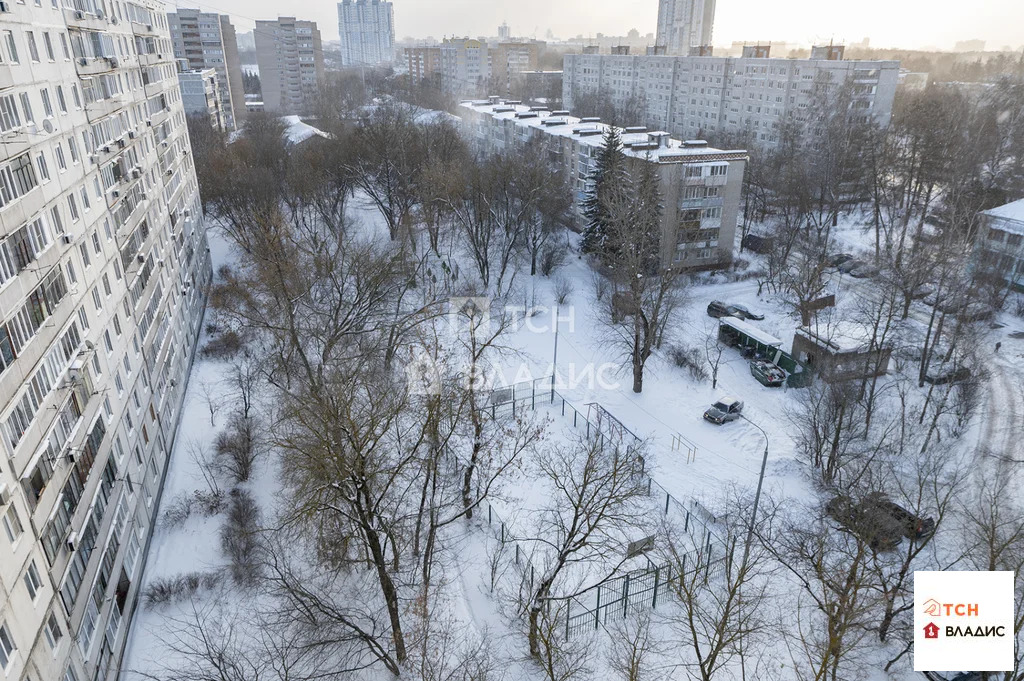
(53, 632)
(48, 44)
(47, 105)
(61, 101)
(12, 524)
(33, 581)
(9, 118)
(44, 170)
(73, 206)
(63, 42)
(96, 299)
(85, 255)
(6, 646)
(10, 47)
(33, 51)
(26, 108)
(62, 163)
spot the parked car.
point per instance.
(724, 410)
(881, 531)
(864, 271)
(850, 265)
(941, 375)
(838, 259)
(961, 676)
(746, 313)
(922, 291)
(879, 521)
(767, 374)
(914, 526)
(718, 309)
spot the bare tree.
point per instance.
(597, 500)
(633, 647)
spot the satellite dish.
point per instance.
(48, 125)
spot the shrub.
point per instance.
(551, 258)
(235, 447)
(563, 289)
(165, 590)
(207, 503)
(239, 537)
(224, 346)
(690, 359)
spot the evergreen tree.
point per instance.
(607, 177)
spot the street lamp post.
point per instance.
(757, 495)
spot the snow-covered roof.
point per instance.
(840, 336)
(752, 331)
(297, 132)
(1010, 216)
(653, 144)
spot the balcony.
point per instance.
(77, 18)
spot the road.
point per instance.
(1003, 409)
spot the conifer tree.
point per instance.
(607, 177)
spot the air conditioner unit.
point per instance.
(106, 148)
(113, 62)
(149, 122)
(83, 61)
(5, 7)
(115, 193)
(67, 239)
(149, 27)
(170, 171)
(141, 258)
(131, 134)
(121, 143)
(5, 496)
(136, 173)
(72, 541)
(79, 14)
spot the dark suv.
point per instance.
(878, 521)
(718, 309)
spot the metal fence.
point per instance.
(630, 592)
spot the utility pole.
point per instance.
(757, 495)
(554, 357)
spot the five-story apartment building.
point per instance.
(104, 270)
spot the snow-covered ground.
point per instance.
(690, 458)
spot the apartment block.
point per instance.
(685, 24)
(290, 56)
(200, 95)
(207, 40)
(465, 67)
(509, 59)
(700, 185)
(999, 248)
(694, 96)
(367, 32)
(104, 272)
(423, 61)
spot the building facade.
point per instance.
(685, 24)
(700, 186)
(200, 95)
(999, 248)
(696, 96)
(423, 62)
(465, 67)
(367, 31)
(290, 57)
(207, 41)
(508, 60)
(104, 272)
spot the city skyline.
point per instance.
(913, 24)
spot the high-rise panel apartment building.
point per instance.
(465, 67)
(207, 40)
(200, 95)
(423, 61)
(367, 32)
(700, 185)
(104, 270)
(685, 24)
(697, 96)
(290, 56)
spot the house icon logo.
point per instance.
(932, 607)
(931, 630)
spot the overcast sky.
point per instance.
(889, 23)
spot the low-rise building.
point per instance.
(700, 186)
(999, 249)
(841, 351)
